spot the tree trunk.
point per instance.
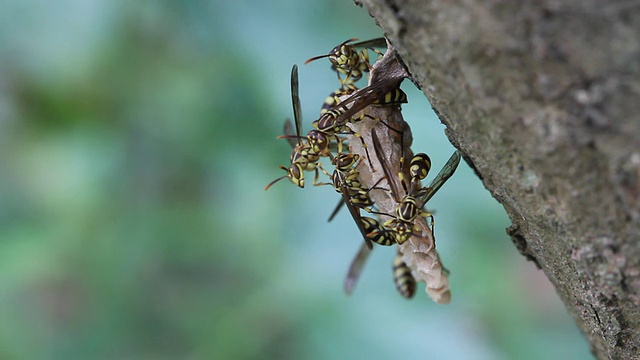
(543, 100)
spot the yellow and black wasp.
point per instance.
(383, 89)
(303, 156)
(411, 204)
(328, 129)
(347, 60)
(307, 150)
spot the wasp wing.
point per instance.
(288, 133)
(445, 173)
(360, 100)
(356, 268)
(355, 214)
(386, 167)
(377, 42)
(295, 100)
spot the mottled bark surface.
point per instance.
(543, 100)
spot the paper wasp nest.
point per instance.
(419, 253)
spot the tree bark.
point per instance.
(543, 100)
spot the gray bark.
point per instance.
(543, 100)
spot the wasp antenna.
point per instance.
(329, 54)
(316, 58)
(276, 180)
(290, 137)
(273, 182)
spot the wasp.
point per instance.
(304, 156)
(336, 113)
(383, 89)
(346, 175)
(327, 128)
(347, 60)
(307, 150)
(370, 228)
(410, 206)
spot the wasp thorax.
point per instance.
(401, 230)
(407, 209)
(327, 120)
(318, 140)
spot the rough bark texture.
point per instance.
(543, 100)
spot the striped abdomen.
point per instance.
(402, 278)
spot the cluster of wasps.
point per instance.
(387, 187)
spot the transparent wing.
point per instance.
(386, 167)
(356, 268)
(289, 135)
(445, 173)
(377, 42)
(363, 98)
(355, 214)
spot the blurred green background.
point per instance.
(137, 138)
